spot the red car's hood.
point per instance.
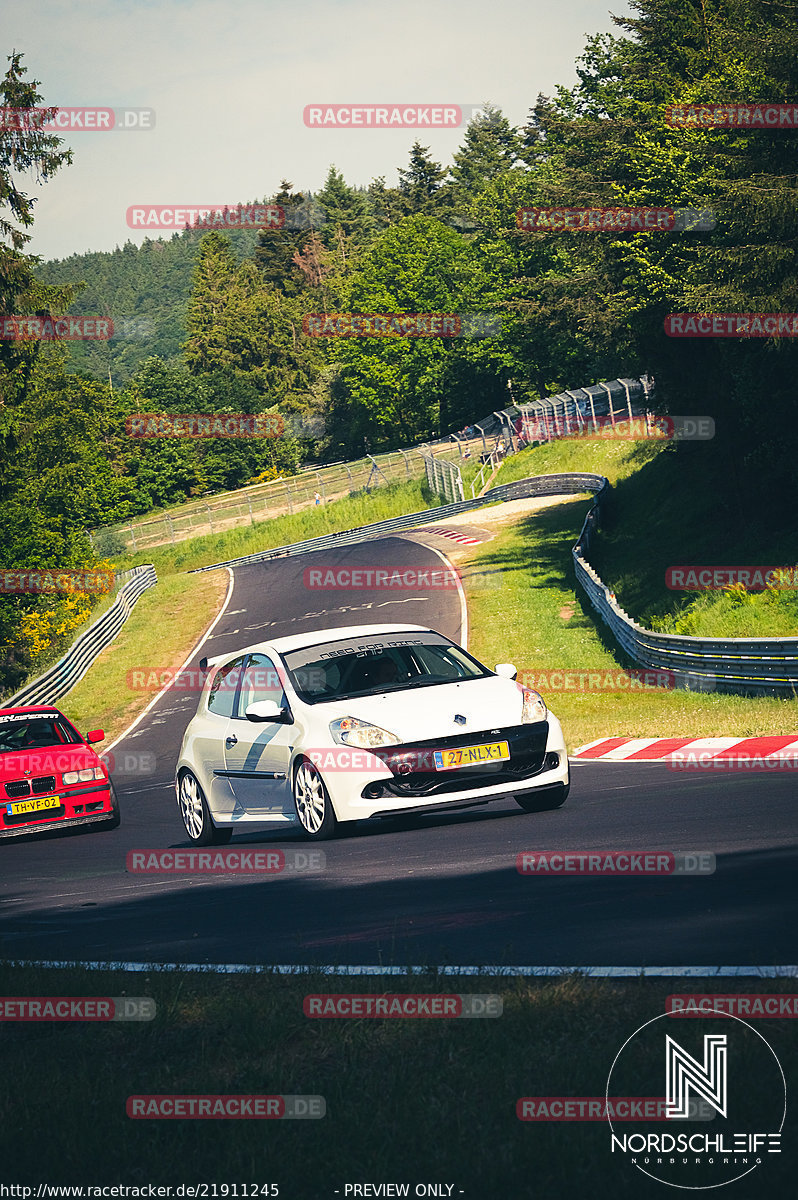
(46, 760)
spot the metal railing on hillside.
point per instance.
(69, 670)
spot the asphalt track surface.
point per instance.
(439, 889)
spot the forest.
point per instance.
(215, 321)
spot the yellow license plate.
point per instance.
(38, 804)
(469, 756)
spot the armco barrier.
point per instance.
(759, 665)
(540, 485)
(698, 664)
(61, 678)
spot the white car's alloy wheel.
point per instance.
(313, 805)
(196, 817)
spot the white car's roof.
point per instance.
(297, 641)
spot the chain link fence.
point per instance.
(482, 444)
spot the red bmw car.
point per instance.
(49, 774)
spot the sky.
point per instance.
(228, 84)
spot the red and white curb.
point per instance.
(462, 538)
(625, 749)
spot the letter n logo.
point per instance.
(684, 1073)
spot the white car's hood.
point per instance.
(419, 714)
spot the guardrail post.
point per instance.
(625, 387)
(609, 398)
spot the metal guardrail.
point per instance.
(504, 431)
(70, 669)
(697, 664)
(758, 665)
(539, 485)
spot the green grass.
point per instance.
(534, 617)
(407, 1100)
(363, 508)
(180, 608)
(671, 506)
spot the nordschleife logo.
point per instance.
(719, 1065)
(684, 1075)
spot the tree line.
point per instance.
(220, 315)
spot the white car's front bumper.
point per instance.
(530, 769)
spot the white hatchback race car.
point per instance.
(368, 721)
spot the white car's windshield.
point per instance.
(368, 665)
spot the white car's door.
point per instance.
(208, 734)
(257, 755)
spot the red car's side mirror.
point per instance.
(96, 735)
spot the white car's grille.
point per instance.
(527, 745)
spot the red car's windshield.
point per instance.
(35, 732)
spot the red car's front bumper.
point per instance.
(81, 804)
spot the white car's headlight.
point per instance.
(349, 731)
(534, 708)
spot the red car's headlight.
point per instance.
(83, 776)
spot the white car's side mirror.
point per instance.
(266, 710)
(506, 670)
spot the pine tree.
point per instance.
(490, 147)
(215, 289)
(276, 248)
(346, 212)
(420, 184)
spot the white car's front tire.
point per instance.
(312, 802)
(196, 815)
